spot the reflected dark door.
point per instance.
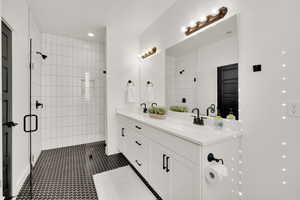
(6, 108)
(228, 94)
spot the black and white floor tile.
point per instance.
(66, 173)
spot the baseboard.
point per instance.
(21, 181)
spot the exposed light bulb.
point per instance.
(240, 194)
(284, 78)
(283, 104)
(284, 65)
(203, 19)
(283, 156)
(214, 12)
(184, 29)
(192, 24)
(284, 117)
(283, 91)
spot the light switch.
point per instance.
(293, 109)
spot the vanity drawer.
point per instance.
(141, 154)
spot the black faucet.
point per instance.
(144, 105)
(198, 120)
(152, 105)
(211, 109)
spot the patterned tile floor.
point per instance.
(66, 173)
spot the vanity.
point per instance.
(172, 155)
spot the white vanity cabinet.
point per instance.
(173, 177)
(153, 154)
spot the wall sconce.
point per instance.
(149, 52)
(205, 21)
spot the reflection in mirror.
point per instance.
(202, 71)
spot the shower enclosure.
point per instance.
(66, 119)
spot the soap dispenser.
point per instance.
(231, 116)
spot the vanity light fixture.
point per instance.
(215, 16)
(149, 52)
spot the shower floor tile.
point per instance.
(67, 173)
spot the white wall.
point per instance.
(261, 41)
(68, 117)
(122, 65)
(15, 13)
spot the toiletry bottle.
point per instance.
(230, 115)
(219, 121)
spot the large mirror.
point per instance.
(202, 71)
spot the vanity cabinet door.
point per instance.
(159, 179)
(184, 178)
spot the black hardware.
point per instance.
(38, 104)
(90, 156)
(149, 83)
(211, 109)
(130, 82)
(164, 161)
(137, 162)
(195, 79)
(25, 124)
(197, 119)
(212, 158)
(104, 72)
(122, 132)
(138, 127)
(152, 105)
(42, 55)
(144, 106)
(181, 72)
(167, 167)
(10, 124)
(183, 100)
(138, 143)
(256, 68)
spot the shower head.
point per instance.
(43, 55)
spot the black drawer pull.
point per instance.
(138, 127)
(138, 163)
(138, 143)
(123, 129)
(164, 161)
(167, 167)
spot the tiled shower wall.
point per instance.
(70, 117)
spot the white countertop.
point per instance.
(201, 135)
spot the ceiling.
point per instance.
(77, 18)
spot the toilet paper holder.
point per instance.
(212, 158)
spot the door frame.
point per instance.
(4, 22)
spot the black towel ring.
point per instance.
(130, 82)
(149, 83)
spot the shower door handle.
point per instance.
(26, 130)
